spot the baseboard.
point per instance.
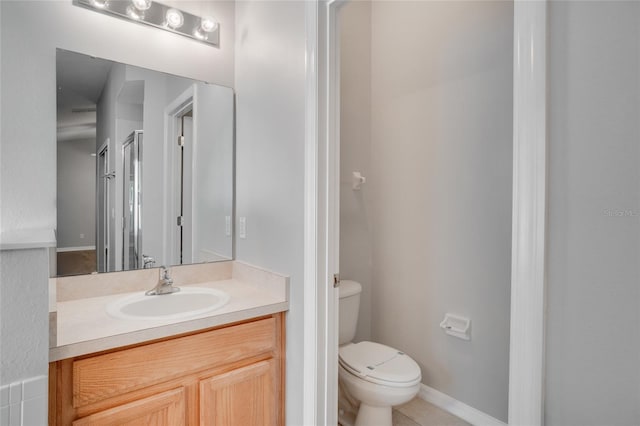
(457, 408)
(83, 248)
(211, 256)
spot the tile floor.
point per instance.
(418, 412)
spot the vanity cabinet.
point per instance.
(231, 375)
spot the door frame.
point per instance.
(103, 206)
(527, 334)
(172, 114)
(134, 143)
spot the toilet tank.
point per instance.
(349, 305)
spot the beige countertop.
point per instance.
(83, 326)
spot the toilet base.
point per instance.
(347, 406)
(376, 401)
(373, 416)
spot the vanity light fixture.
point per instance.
(135, 13)
(204, 29)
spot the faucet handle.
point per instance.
(164, 275)
(147, 261)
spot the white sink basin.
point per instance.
(188, 302)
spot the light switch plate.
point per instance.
(227, 225)
(242, 228)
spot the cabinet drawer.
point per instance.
(104, 376)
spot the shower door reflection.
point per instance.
(132, 191)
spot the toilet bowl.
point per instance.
(379, 377)
(375, 375)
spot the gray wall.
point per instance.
(76, 185)
(593, 342)
(270, 77)
(436, 208)
(28, 134)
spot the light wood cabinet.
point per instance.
(231, 375)
(240, 397)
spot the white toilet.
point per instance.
(376, 375)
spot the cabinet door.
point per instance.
(246, 396)
(164, 409)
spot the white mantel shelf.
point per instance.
(27, 239)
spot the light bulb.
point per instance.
(101, 4)
(208, 24)
(199, 34)
(135, 13)
(174, 18)
(141, 4)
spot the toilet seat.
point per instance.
(379, 364)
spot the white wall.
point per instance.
(270, 77)
(439, 186)
(213, 173)
(28, 127)
(593, 343)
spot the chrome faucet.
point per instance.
(164, 286)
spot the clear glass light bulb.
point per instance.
(174, 18)
(141, 4)
(208, 24)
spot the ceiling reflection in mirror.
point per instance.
(144, 168)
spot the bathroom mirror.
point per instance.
(144, 167)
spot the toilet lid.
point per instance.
(380, 364)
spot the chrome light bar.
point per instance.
(201, 28)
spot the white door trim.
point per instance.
(527, 344)
(320, 299)
(314, 323)
(174, 109)
(526, 372)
